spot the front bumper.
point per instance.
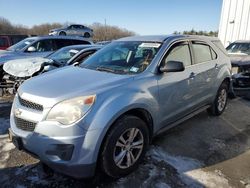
(242, 92)
(62, 155)
(68, 150)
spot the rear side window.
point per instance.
(3, 42)
(203, 52)
(62, 43)
(179, 52)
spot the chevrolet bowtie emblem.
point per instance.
(18, 112)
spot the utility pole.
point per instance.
(105, 25)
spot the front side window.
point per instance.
(129, 57)
(44, 46)
(179, 52)
(202, 52)
(63, 55)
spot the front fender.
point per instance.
(110, 109)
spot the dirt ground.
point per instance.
(204, 151)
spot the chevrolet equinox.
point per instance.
(105, 112)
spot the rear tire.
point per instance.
(220, 101)
(87, 35)
(124, 146)
(62, 33)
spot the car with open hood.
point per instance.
(239, 52)
(104, 113)
(19, 70)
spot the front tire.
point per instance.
(220, 102)
(124, 147)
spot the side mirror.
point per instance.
(31, 49)
(76, 63)
(173, 66)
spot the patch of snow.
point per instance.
(209, 179)
(162, 185)
(4, 126)
(182, 164)
(190, 170)
(5, 147)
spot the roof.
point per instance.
(162, 38)
(59, 37)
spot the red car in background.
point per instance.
(8, 40)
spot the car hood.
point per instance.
(240, 60)
(6, 55)
(69, 82)
(24, 67)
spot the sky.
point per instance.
(144, 17)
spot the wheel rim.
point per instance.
(128, 148)
(222, 99)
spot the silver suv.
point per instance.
(79, 30)
(105, 112)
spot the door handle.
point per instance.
(192, 75)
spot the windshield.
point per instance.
(20, 45)
(63, 55)
(123, 57)
(239, 48)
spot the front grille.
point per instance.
(24, 124)
(29, 104)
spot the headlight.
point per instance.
(70, 111)
(235, 70)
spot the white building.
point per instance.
(234, 21)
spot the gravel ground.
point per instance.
(204, 151)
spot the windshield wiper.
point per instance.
(106, 69)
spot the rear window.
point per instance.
(3, 42)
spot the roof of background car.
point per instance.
(162, 38)
(80, 46)
(241, 41)
(59, 37)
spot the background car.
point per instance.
(17, 71)
(239, 53)
(40, 46)
(75, 29)
(9, 40)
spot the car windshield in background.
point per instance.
(63, 55)
(20, 45)
(239, 48)
(123, 57)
